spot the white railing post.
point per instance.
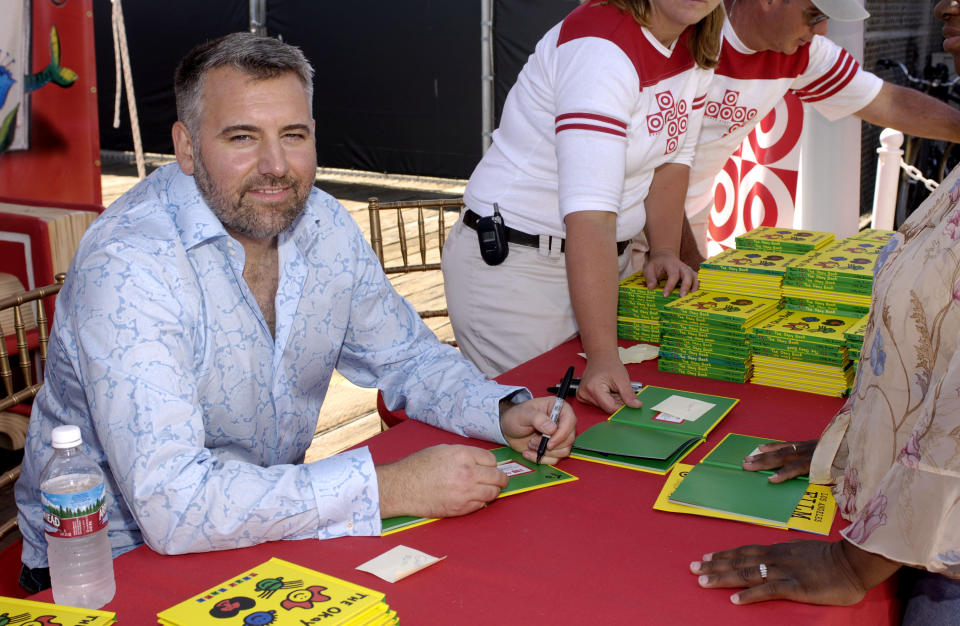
(888, 178)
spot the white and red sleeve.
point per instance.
(596, 89)
(833, 82)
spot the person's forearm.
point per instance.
(913, 113)
(870, 569)
(591, 257)
(689, 246)
(664, 207)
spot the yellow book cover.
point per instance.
(841, 260)
(813, 514)
(788, 239)
(751, 261)
(876, 235)
(857, 331)
(806, 326)
(279, 593)
(28, 612)
(732, 308)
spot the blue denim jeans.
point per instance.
(930, 599)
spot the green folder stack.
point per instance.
(719, 483)
(854, 338)
(705, 334)
(802, 351)
(838, 279)
(638, 308)
(776, 239)
(757, 273)
(668, 425)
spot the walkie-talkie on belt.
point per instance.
(492, 235)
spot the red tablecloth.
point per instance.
(592, 551)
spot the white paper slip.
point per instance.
(685, 408)
(398, 563)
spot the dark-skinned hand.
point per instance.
(816, 572)
(792, 457)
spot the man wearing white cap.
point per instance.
(772, 47)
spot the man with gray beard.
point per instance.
(201, 321)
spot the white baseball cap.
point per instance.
(842, 10)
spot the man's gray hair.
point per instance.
(258, 57)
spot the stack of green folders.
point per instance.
(705, 334)
(837, 280)
(638, 308)
(776, 239)
(756, 273)
(803, 351)
(854, 338)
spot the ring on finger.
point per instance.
(794, 447)
(763, 571)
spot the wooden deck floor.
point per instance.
(349, 412)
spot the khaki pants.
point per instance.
(506, 314)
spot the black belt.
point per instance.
(526, 239)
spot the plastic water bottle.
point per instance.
(75, 519)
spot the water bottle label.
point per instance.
(74, 514)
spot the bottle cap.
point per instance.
(66, 436)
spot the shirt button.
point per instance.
(349, 525)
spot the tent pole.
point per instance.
(486, 71)
(258, 17)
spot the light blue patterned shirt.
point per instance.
(198, 416)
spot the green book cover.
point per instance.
(719, 483)
(712, 358)
(705, 371)
(694, 332)
(650, 438)
(524, 476)
(705, 347)
(824, 306)
(827, 295)
(686, 323)
(807, 356)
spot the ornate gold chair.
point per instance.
(408, 236)
(20, 385)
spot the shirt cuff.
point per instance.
(347, 495)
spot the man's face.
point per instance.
(792, 23)
(949, 12)
(253, 157)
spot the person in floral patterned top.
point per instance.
(892, 453)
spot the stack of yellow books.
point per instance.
(705, 334)
(803, 351)
(279, 593)
(638, 308)
(837, 280)
(31, 613)
(777, 239)
(749, 272)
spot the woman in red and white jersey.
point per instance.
(594, 148)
